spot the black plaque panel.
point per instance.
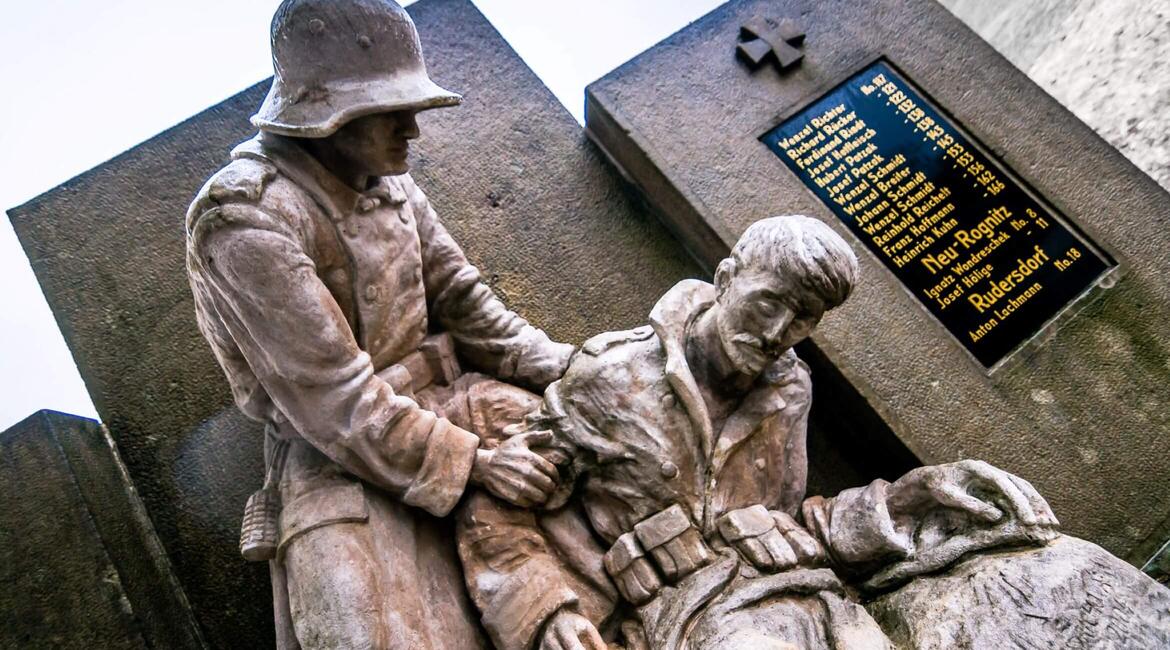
(961, 232)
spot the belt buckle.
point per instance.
(439, 353)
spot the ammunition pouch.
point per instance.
(665, 544)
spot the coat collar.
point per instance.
(335, 197)
(670, 318)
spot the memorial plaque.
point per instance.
(989, 259)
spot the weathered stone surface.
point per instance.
(1082, 413)
(1068, 594)
(80, 564)
(1108, 61)
(557, 234)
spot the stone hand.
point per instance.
(972, 487)
(540, 370)
(568, 630)
(770, 541)
(946, 512)
(809, 552)
(515, 473)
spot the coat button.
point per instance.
(372, 292)
(761, 464)
(668, 469)
(668, 400)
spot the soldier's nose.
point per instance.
(409, 127)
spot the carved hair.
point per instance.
(800, 248)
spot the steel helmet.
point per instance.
(337, 60)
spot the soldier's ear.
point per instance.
(723, 274)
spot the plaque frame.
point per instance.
(1116, 266)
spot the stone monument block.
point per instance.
(1014, 302)
(79, 560)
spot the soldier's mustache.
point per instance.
(749, 340)
(756, 343)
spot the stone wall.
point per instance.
(1108, 61)
(80, 564)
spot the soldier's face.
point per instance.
(761, 315)
(378, 144)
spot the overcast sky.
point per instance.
(85, 80)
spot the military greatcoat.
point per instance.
(306, 289)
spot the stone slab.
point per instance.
(1082, 411)
(80, 564)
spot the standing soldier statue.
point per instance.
(336, 304)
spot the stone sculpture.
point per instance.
(653, 499)
(681, 520)
(337, 305)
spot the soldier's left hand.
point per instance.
(986, 493)
(542, 369)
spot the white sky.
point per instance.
(85, 80)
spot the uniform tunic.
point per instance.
(630, 417)
(305, 289)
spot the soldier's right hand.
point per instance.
(515, 473)
(568, 630)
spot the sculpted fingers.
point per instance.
(593, 640)
(780, 553)
(527, 494)
(580, 635)
(1044, 514)
(953, 496)
(526, 469)
(753, 532)
(1017, 503)
(521, 447)
(545, 466)
(1000, 482)
(568, 630)
(753, 550)
(808, 550)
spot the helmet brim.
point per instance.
(319, 114)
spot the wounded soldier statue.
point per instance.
(681, 519)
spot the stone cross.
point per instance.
(765, 37)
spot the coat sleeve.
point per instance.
(487, 333)
(856, 528)
(264, 288)
(515, 580)
(522, 566)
